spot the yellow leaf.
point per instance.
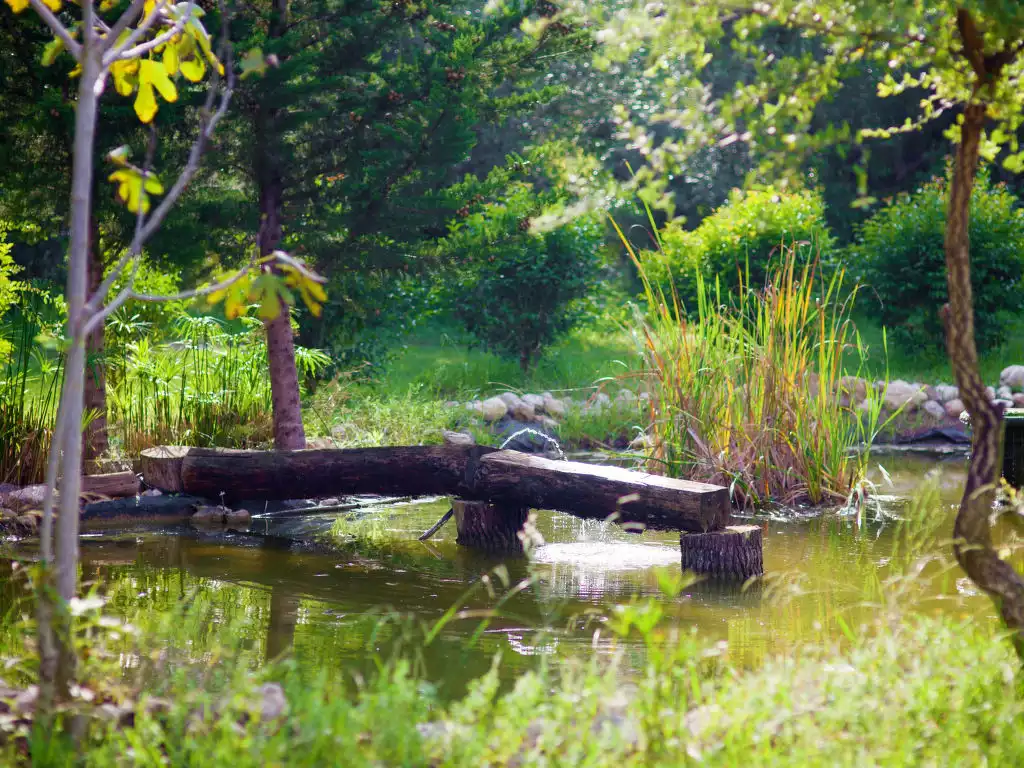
(53, 5)
(152, 72)
(171, 59)
(122, 71)
(18, 5)
(145, 103)
(193, 70)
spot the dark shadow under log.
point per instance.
(489, 527)
(734, 553)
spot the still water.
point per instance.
(277, 591)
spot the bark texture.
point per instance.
(735, 553)
(972, 530)
(95, 442)
(489, 527)
(470, 472)
(289, 433)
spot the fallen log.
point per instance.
(600, 492)
(114, 484)
(469, 472)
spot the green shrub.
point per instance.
(8, 287)
(522, 290)
(750, 229)
(900, 256)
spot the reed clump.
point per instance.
(749, 389)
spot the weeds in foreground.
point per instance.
(754, 395)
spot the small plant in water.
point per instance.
(754, 394)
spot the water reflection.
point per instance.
(324, 604)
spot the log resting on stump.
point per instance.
(489, 527)
(732, 553)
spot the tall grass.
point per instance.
(208, 386)
(30, 382)
(750, 393)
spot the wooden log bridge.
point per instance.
(507, 478)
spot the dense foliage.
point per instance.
(899, 254)
(530, 288)
(742, 241)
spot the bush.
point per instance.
(522, 290)
(8, 287)
(900, 255)
(751, 228)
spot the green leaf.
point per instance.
(253, 63)
(51, 51)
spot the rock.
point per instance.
(1012, 376)
(548, 423)
(625, 400)
(451, 403)
(945, 392)
(475, 406)
(7, 514)
(517, 407)
(855, 387)
(152, 492)
(29, 497)
(990, 393)
(1018, 400)
(553, 406)
(270, 702)
(208, 516)
(515, 435)
(493, 409)
(602, 398)
(1004, 404)
(904, 395)
(534, 401)
(954, 408)
(458, 438)
(30, 523)
(237, 518)
(642, 442)
(317, 443)
(1004, 393)
(934, 409)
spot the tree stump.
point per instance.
(732, 553)
(489, 527)
(161, 467)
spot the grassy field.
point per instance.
(932, 367)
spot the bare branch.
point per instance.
(73, 47)
(156, 42)
(115, 52)
(126, 20)
(127, 293)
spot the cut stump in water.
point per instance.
(161, 467)
(732, 553)
(489, 527)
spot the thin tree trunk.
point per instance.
(289, 433)
(972, 529)
(58, 663)
(95, 441)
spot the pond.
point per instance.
(274, 591)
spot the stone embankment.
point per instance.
(933, 402)
(546, 409)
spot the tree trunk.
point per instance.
(972, 530)
(57, 659)
(95, 441)
(289, 433)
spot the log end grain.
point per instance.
(734, 553)
(161, 467)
